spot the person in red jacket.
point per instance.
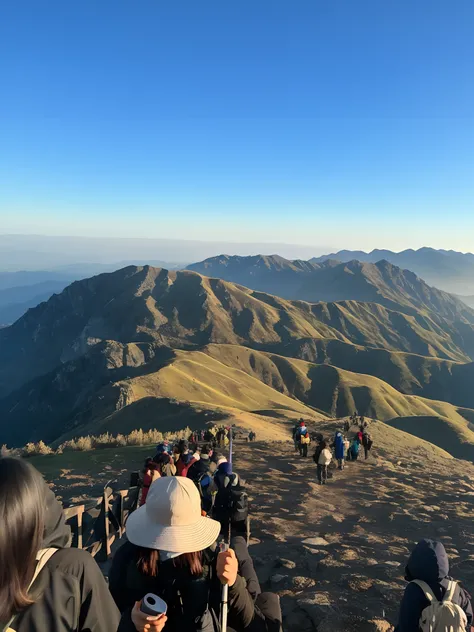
(150, 475)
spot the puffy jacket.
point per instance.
(73, 594)
(128, 585)
(199, 468)
(428, 562)
(339, 446)
(325, 457)
(184, 463)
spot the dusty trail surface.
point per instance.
(336, 554)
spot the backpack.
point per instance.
(203, 483)
(230, 503)
(441, 616)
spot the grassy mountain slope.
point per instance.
(412, 374)
(453, 436)
(186, 310)
(232, 377)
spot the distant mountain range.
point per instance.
(144, 346)
(331, 281)
(446, 269)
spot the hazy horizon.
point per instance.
(43, 252)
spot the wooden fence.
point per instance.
(96, 528)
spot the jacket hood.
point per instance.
(57, 534)
(428, 562)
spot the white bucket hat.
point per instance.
(171, 519)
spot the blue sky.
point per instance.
(334, 123)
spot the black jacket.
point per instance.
(429, 563)
(70, 591)
(199, 468)
(128, 585)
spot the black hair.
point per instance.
(22, 502)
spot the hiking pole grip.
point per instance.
(225, 596)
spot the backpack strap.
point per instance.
(450, 590)
(429, 594)
(42, 558)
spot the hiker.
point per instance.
(347, 445)
(252, 436)
(200, 473)
(427, 571)
(171, 552)
(294, 435)
(339, 449)
(354, 449)
(322, 457)
(303, 439)
(45, 585)
(231, 506)
(347, 425)
(367, 444)
(166, 465)
(150, 475)
(183, 458)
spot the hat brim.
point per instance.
(192, 538)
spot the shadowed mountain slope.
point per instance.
(330, 281)
(449, 270)
(185, 310)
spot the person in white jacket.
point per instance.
(323, 457)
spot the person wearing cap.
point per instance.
(172, 553)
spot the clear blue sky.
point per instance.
(347, 123)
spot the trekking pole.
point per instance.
(225, 547)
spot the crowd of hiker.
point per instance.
(192, 501)
(335, 451)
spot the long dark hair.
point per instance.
(149, 562)
(21, 532)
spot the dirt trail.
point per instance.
(336, 554)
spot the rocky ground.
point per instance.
(336, 554)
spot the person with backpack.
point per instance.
(45, 585)
(339, 449)
(322, 458)
(433, 601)
(367, 444)
(200, 473)
(303, 440)
(171, 552)
(231, 506)
(354, 449)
